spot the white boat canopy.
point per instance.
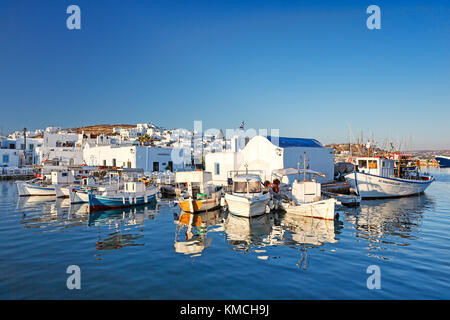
(291, 171)
(246, 178)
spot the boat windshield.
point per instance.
(241, 187)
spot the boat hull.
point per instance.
(99, 202)
(323, 209)
(444, 162)
(370, 186)
(78, 196)
(28, 189)
(62, 191)
(199, 205)
(247, 207)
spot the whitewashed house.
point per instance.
(149, 158)
(14, 152)
(268, 154)
(63, 147)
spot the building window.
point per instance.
(217, 168)
(5, 158)
(114, 162)
(104, 163)
(155, 166)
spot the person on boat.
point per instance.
(267, 185)
(275, 185)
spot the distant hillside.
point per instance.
(101, 128)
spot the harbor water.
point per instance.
(150, 252)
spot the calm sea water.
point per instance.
(150, 253)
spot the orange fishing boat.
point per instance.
(200, 195)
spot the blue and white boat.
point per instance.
(132, 194)
(444, 162)
(377, 178)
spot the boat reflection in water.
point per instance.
(388, 222)
(46, 212)
(243, 232)
(308, 230)
(121, 228)
(191, 232)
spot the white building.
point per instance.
(64, 147)
(14, 152)
(260, 153)
(131, 156)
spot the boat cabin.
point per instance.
(134, 186)
(197, 182)
(376, 166)
(62, 177)
(302, 191)
(247, 183)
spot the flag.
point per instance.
(242, 125)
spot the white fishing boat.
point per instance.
(36, 188)
(377, 177)
(247, 197)
(46, 185)
(303, 197)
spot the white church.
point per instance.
(268, 154)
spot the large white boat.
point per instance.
(377, 177)
(303, 197)
(247, 197)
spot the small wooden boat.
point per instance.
(304, 196)
(200, 194)
(133, 193)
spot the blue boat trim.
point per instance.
(394, 179)
(97, 202)
(40, 188)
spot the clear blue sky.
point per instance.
(309, 68)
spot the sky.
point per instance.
(311, 69)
